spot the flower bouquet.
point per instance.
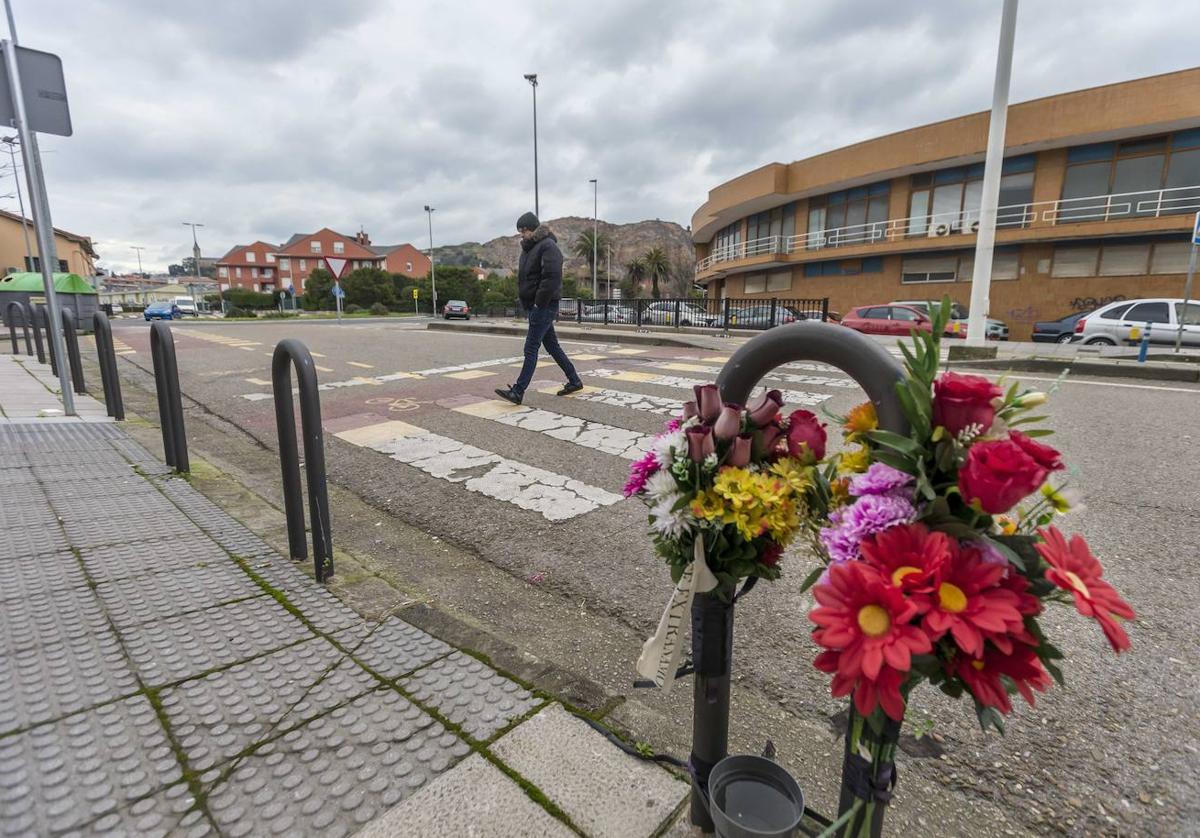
(939, 557)
(727, 487)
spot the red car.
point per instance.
(892, 320)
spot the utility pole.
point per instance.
(139, 250)
(196, 261)
(532, 79)
(981, 279)
(595, 240)
(40, 204)
(429, 211)
(608, 271)
(12, 156)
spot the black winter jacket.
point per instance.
(539, 276)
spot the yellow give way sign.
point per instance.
(416, 293)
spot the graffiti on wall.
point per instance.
(1091, 303)
(1022, 315)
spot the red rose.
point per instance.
(771, 553)
(804, 429)
(963, 400)
(1045, 456)
(998, 474)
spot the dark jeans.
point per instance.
(541, 333)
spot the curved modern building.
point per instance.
(1097, 198)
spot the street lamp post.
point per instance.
(595, 242)
(139, 253)
(608, 271)
(12, 156)
(532, 79)
(429, 211)
(196, 261)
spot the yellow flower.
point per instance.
(1062, 499)
(1007, 525)
(861, 420)
(793, 473)
(839, 491)
(708, 506)
(854, 462)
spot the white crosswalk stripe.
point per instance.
(622, 398)
(799, 397)
(554, 496)
(789, 378)
(596, 436)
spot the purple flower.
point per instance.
(987, 551)
(868, 515)
(641, 471)
(879, 479)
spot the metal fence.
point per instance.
(705, 312)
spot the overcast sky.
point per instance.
(261, 118)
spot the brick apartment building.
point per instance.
(249, 266)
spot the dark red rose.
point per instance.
(765, 408)
(708, 402)
(805, 432)
(999, 474)
(771, 553)
(1045, 456)
(963, 400)
(700, 442)
(739, 451)
(729, 422)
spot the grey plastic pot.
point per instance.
(754, 797)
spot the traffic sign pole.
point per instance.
(337, 267)
(1187, 286)
(416, 293)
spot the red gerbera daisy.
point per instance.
(970, 604)
(1073, 568)
(908, 555)
(983, 675)
(866, 621)
(1027, 604)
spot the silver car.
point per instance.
(1114, 324)
(664, 313)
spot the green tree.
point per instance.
(318, 291)
(583, 248)
(658, 266)
(367, 286)
(635, 272)
(577, 288)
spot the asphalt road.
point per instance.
(413, 428)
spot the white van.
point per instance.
(187, 305)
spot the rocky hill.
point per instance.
(628, 242)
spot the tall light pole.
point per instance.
(981, 278)
(429, 211)
(12, 156)
(608, 271)
(139, 253)
(196, 262)
(595, 242)
(532, 79)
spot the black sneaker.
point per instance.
(569, 388)
(508, 395)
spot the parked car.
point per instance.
(759, 316)
(1057, 331)
(617, 313)
(896, 320)
(663, 314)
(186, 305)
(456, 308)
(996, 329)
(1113, 324)
(162, 311)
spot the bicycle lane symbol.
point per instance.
(398, 405)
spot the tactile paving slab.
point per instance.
(475, 697)
(172, 811)
(94, 532)
(39, 532)
(51, 618)
(49, 681)
(117, 484)
(325, 611)
(142, 557)
(392, 648)
(17, 477)
(216, 522)
(180, 647)
(139, 599)
(221, 714)
(57, 777)
(335, 774)
(30, 576)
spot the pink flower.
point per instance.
(739, 452)
(641, 471)
(728, 423)
(708, 402)
(765, 408)
(700, 442)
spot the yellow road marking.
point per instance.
(588, 357)
(322, 369)
(379, 433)
(641, 377)
(685, 367)
(358, 364)
(469, 374)
(258, 382)
(629, 351)
(490, 409)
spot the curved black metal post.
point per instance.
(12, 326)
(107, 356)
(877, 372)
(170, 401)
(288, 353)
(71, 344)
(37, 332)
(44, 316)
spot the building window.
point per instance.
(754, 284)
(725, 242)
(852, 216)
(285, 264)
(1075, 261)
(250, 256)
(254, 273)
(271, 258)
(304, 264)
(918, 269)
(338, 247)
(845, 267)
(266, 272)
(237, 272)
(1124, 260)
(778, 223)
(314, 246)
(1121, 259)
(1123, 179)
(256, 286)
(1006, 264)
(223, 272)
(947, 201)
(779, 281)
(408, 266)
(1170, 258)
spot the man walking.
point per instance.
(539, 285)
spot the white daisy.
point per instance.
(671, 522)
(662, 483)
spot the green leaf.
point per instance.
(812, 578)
(1013, 557)
(901, 443)
(1055, 672)
(1032, 432)
(895, 460)
(1027, 420)
(989, 716)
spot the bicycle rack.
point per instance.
(877, 372)
(71, 343)
(34, 316)
(107, 355)
(170, 402)
(289, 353)
(23, 310)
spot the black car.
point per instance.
(1056, 331)
(456, 308)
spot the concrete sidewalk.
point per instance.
(28, 391)
(164, 671)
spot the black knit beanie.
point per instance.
(528, 221)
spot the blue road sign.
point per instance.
(1196, 230)
(337, 290)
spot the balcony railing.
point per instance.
(1126, 205)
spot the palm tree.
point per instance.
(583, 247)
(635, 272)
(658, 266)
